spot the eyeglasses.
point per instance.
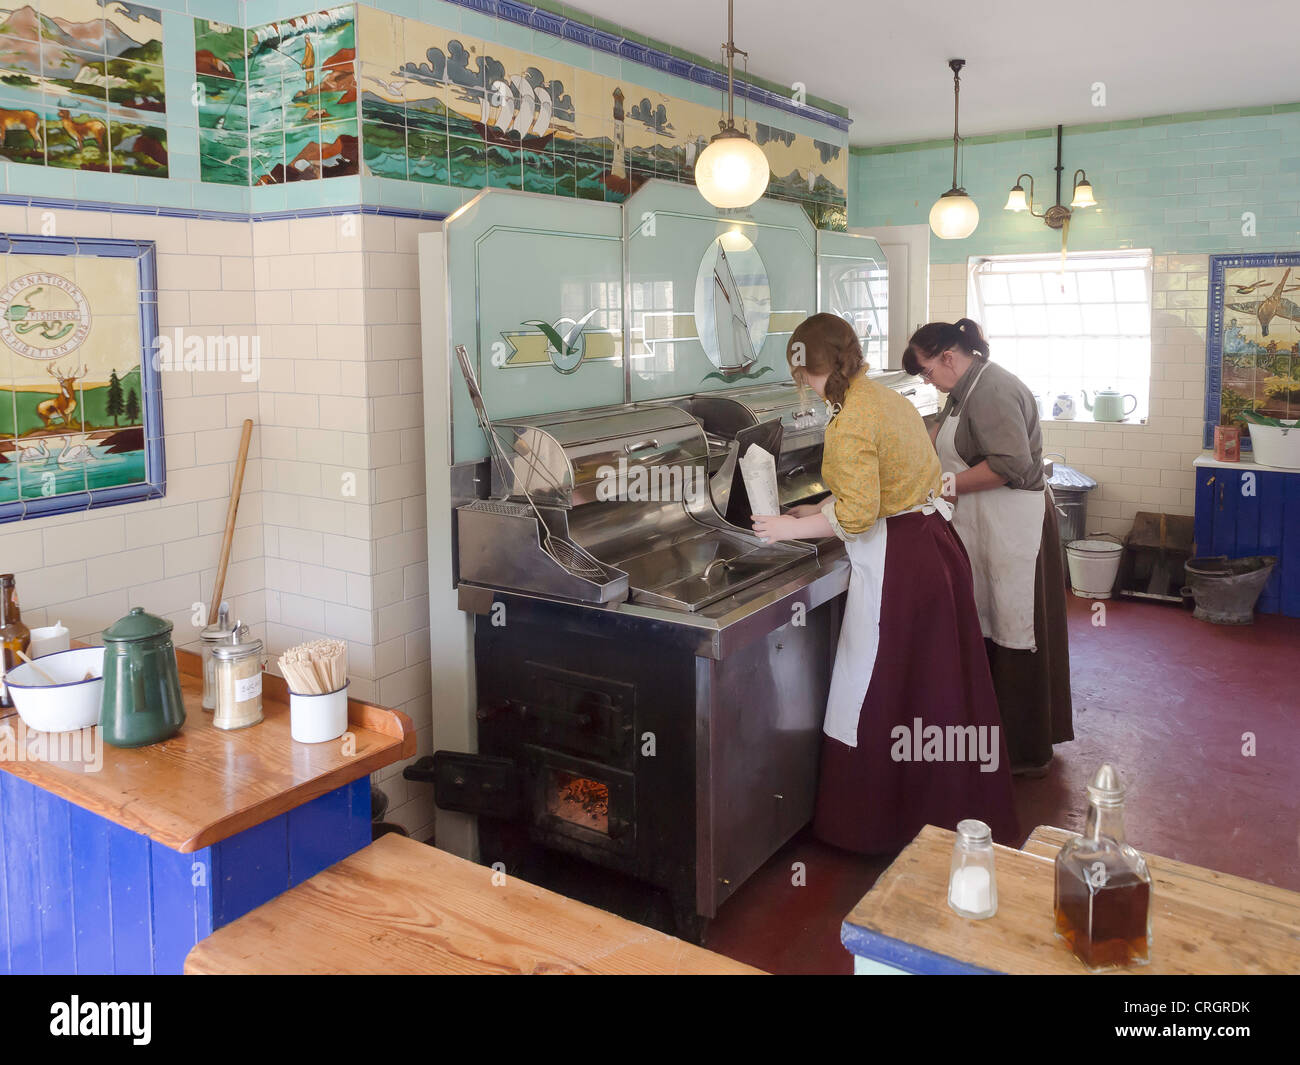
(928, 371)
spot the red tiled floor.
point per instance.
(1166, 698)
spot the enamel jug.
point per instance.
(1063, 407)
(1108, 405)
(142, 701)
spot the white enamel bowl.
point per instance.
(69, 704)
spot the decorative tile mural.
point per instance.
(1254, 337)
(80, 405)
(438, 106)
(81, 86)
(278, 101)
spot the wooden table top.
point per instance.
(403, 907)
(1201, 921)
(206, 784)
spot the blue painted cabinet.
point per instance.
(1252, 511)
(80, 894)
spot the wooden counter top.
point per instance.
(403, 907)
(1201, 921)
(205, 784)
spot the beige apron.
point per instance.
(1002, 529)
(855, 655)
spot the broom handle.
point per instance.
(231, 511)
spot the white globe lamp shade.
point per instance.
(954, 216)
(732, 171)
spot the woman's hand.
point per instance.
(804, 510)
(771, 528)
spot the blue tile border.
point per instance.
(560, 26)
(10, 200)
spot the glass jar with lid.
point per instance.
(237, 677)
(220, 631)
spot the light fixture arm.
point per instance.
(955, 65)
(1058, 215)
(731, 51)
(1059, 168)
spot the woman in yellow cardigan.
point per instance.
(912, 734)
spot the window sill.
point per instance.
(1088, 419)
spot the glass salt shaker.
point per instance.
(220, 631)
(972, 883)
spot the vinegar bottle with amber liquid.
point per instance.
(1103, 889)
(15, 637)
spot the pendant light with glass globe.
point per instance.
(732, 171)
(954, 215)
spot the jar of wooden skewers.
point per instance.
(317, 676)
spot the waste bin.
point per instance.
(1070, 489)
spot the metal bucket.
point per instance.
(1226, 589)
(1094, 565)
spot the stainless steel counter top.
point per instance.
(714, 631)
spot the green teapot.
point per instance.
(142, 702)
(1109, 405)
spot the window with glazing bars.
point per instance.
(1069, 329)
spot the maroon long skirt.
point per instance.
(931, 666)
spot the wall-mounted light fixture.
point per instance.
(1057, 216)
(732, 171)
(954, 215)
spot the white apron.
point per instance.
(855, 655)
(1002, 529)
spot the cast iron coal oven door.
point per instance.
(575, 712)
(470, 783)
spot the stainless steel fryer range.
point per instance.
(629, 489)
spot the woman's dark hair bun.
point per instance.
(932, 340)
(974, 337)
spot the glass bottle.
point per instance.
(220, 631)
(972, 884)
(1103, 890)
(14, 635)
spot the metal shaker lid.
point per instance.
(973, 832)
(221, 630)
(1106, 788)
(239, 646)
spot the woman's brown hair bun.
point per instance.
(826, 344)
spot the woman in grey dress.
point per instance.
(991, 450)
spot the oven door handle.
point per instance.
(581, 718)
(642, 445)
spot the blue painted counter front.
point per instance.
(1244, 509)
(80, 894)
